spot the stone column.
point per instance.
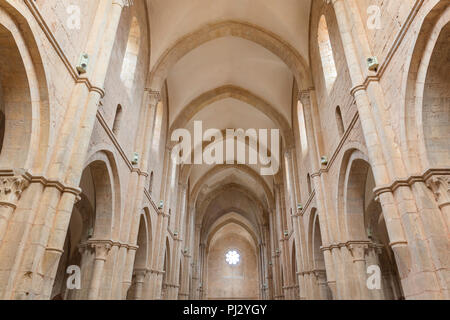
(101, 253)
(321, 279)
(279, 294)
(372, 259)
(331, 282)
(272, 253)
(358, 251)
(297, 223)
(290, 187)
(139, 280)
(125, 276)
(162, 224)
(180, 204)
(184, 281)
(196, 261)
(264, 278)
(326, 211)
(137, 184)
(202, 275)
(150, 284)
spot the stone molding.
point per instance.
(392, 51)
(14, 182)
(154, 96)
(353, 246)
(301, 213)
(432, 178)
(157, 272)
(152, 202)
(92, 244)
(140, 272)
(315, 272)
(119, 148)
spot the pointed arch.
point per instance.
(25, 100)
(238, 93)
(412, 125)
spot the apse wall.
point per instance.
(227, 281)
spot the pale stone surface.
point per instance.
(72, 194)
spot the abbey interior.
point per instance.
(94, 205)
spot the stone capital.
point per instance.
(440, 186)
(154, 97)
(124, 3)
(101, 248)
(11, 188)
(304, 96)
(320, 274)
(183, 186)
(140, 275)
(358, 250)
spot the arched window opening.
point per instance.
(17, 98)
(157, 129)
(233, 257)
(2, 129)
(308, 182)
(326, 54)
(340, 121)
(131, 55)
(302, 128)
(117, 120)
(150, 185)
